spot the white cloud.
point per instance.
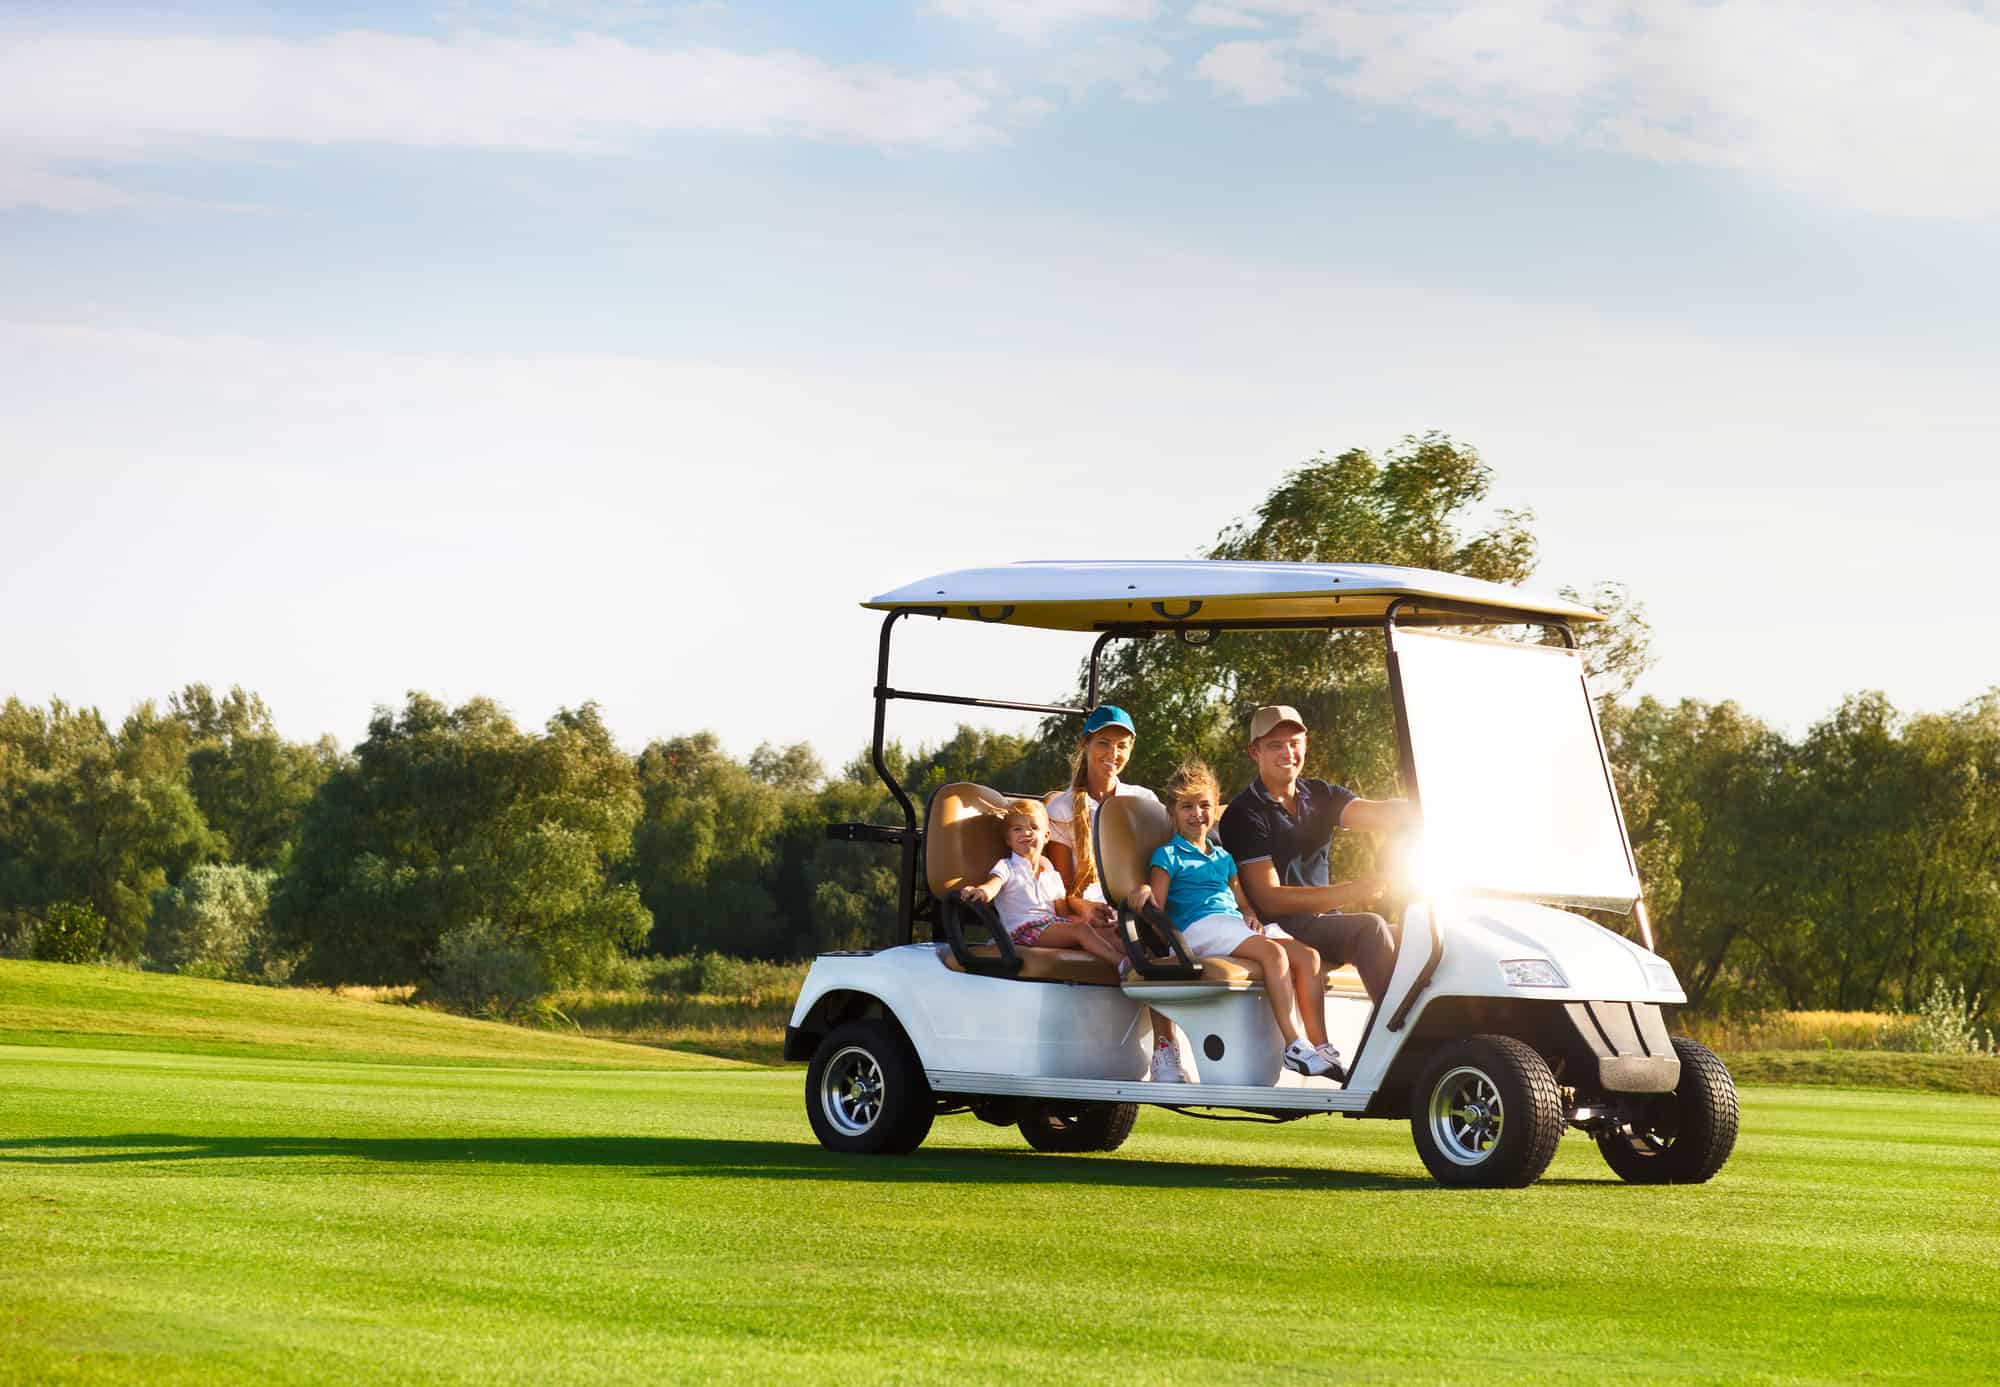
(105, 98)
(1036, 20)
(1891, 107)
(1213, 16)
(1255, 72)
(1134, 68)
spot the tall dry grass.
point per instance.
(707, 1003)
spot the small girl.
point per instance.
(1028, 891)
(1194, 882)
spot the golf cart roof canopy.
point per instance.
(1163, 595)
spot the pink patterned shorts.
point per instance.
(1026, 935)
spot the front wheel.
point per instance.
(1486, 1113)
(1069, 1128)
(866, 1094)
(1683, 1137)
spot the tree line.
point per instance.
(1845, 869)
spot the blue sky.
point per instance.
(545, 350)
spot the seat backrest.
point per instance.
(965, 833)
(1125, 832)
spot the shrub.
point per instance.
(17, 934)
(479, 971)
(1946, 1024)
(213, 922)
(69, 933)
(720, 975)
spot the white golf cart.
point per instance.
(1506, 1018)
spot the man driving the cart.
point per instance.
(1280, 830)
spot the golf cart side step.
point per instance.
(1305, 1096)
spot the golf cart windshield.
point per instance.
(1517, 798)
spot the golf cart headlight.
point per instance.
(1531, 972)
(1660, 975)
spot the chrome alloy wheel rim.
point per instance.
(1466, 1116)
(850, 1091)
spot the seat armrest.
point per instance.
(1149, 926)
(955, 913)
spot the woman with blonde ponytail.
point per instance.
(1102, 751)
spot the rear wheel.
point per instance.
(1683, 1137)
(865, 1091)
(1486, 1113)
(1075, 1127)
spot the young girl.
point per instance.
(1028, 891)
(1194, 882)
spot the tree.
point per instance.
(448, 817)
(1412, 508)
(704, 843)
(251, 784)
(213, 922)
(94, 816)
(791, 767)
(1709, 806)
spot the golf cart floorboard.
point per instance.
(1312, 1095)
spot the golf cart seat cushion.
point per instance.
(1241, 972)
(1125, 832)
(965, 833)
(1045, 965)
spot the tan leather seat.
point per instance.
(1125, 832)
(1045, 965)
(964, 835)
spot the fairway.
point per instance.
(198, 1218)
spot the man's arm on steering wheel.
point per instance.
(1275, 900)
(1386, 816)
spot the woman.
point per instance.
(1102, 751)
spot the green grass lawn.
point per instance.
(67, 1005)
(200, 1217)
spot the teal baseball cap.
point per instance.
(1108, 715)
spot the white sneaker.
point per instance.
(1338, 1072)
(1303, 1057)
(1167, 1065)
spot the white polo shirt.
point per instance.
(1024, 894)
(1062, 817)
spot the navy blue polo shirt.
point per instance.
(1255, 826)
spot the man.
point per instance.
(1279, 830)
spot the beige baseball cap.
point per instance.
(1273, 715)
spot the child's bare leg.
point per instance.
(1277, 981)
(1068, 934)
(1308, 986)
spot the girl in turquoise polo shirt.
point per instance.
(1194, 882)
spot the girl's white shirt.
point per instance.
(1062, 821)
(1024, 894)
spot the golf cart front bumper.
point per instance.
(1629, 1041)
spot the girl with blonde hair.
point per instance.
(1194, 881)
(1029, 894)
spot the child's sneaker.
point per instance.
(1338, 1073)
(1167, 1065)
(1303, 1057)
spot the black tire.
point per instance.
(866, 1094)
(1486, 1114)
(1684, 1136)
(1069, 1128)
